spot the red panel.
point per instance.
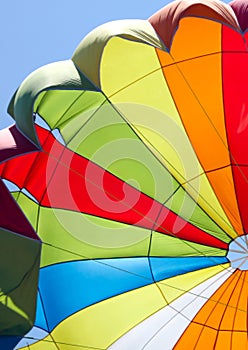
(235, 94)
(18, 168)
(235, 77)
(176, 226)
(44, 166)
(80, 185)
(232, 40)
(30, 171)
(240, 174)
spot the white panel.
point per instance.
(163, 329)
(34, 335)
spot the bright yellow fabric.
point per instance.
(139, 91)
(44, 344)
(98, 326)
(174, 287)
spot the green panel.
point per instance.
(107, 139)
(163, 245)
(110, 142)
(28, 206)
(182, 204)
(15, 195)
(62, 75)
(19, 266)
(59, 108)
(68, 235)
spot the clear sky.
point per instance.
(34, 33)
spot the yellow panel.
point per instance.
(174, 287)
(201, 191)
(98, 326)
(138, 100)
(89, 52)
(72, 347)
(45, 344)
(116, 74)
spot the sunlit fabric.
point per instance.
(128, 166)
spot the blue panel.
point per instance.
(163, 268)
(40, 320)
(68, 287)
(8, 342)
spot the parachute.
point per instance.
(126, 226)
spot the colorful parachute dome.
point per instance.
(20, 254)
(130, 163)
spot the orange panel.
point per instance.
(228, 317)
(189, 339)
(223, 340)
(211, 313)
(207, 339)
(227, 323)
(200, 105)
(222, 182)
(224, 304)
(196, 37)
(164, 58)
(239, 341)
(209, 307)
(240, 321)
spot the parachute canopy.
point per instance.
(129, 163)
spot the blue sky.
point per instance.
(34, 33)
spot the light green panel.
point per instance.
(104, 127)
(28, 206)
(59, 107)
(108, 141)
(164, 245)
(182, 204)
(62, 75)
(68, 235)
